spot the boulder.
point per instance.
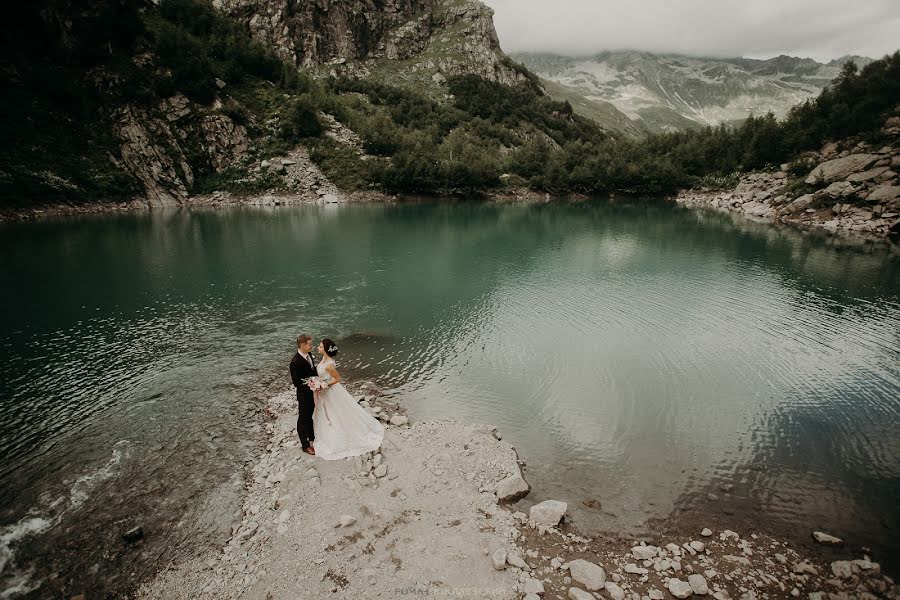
(839, 168)
(547, 513)
(512, 488)
(679, 588)
(884, 193)
(588, 574)
(838, 189)
(866, 175)
(799, 205)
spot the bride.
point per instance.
(343, 428)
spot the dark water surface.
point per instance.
(640, 354)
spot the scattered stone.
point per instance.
(512, 488)
(824, 538)
(514, 560)
(802, 567)
(634, 569)
(679, 588)
(134, 534)
(346, 521)
(698, 584)
(614, 591)
(547, 513)
(588, 574)
(381, 470)
(578, 594)
(842, 568)
(706, 532)
(498, 558)
(644, 552)
(533, 586)
(655, 594)
(840, 168)
(698, 546)
(399, 420)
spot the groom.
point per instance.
(303, 365)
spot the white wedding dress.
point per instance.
(342, 427)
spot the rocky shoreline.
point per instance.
(426, 515)
(851, 191)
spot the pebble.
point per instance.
(516, 561)
(655, 594)
(346, 521)
(706, 532)
(498, 558)
(698, 546)
(381, 470)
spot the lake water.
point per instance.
(655, 359)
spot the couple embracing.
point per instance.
(330, 423)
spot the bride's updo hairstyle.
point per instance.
(331, 348)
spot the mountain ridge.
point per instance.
(675, 92)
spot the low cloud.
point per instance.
(819, 29)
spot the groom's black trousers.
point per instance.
(305, 418)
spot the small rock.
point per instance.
(588, 574)
(679, 588)
(399, 420)
(512, 488)
(514, 560)
(804, 567)
(578, 594)
(133, 534)
(614, 591)
(284, 516)
(381, 470)
(842, 568)
(634, 569)
(498, 558)
(655, 594)
(547, 513)
(824, 538)
(706, 532)
(346, 521)
(644, 552)
(533, 586)
(698, 584)
(698, 546)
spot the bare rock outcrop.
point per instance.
(155, 144)
(441, 37)
(862, 194)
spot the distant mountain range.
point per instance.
(632, 92)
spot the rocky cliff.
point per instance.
(419, 40)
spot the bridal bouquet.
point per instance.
(315, 384)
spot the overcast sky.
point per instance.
(819, 29)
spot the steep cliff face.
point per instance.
(423, 38)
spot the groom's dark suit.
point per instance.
(300, 370)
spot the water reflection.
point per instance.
(636, 353)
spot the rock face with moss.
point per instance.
(428, 39)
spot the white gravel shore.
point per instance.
(421, 528)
